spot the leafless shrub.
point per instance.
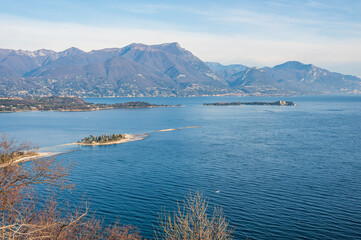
(192, 222)
(22, 217)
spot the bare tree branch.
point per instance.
(192, 222)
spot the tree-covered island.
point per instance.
(102, 139)
(72, 104)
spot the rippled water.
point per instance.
(281, 172)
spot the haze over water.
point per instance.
(278, 172)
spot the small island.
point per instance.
(277, 103)
(66, 104)
(102, 139)
(110, 139)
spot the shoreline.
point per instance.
(35, 155)
(88, 110)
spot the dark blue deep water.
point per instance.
(281, 172)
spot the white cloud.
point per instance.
(27, 34)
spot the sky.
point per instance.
(326, 33)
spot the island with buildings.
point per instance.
(277, 103)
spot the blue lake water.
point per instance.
(278, 172)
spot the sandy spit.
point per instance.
(35, 155)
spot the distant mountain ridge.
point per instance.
(155, 70)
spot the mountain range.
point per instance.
(156, 70)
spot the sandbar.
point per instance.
(174, 129)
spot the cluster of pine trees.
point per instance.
(102, 139)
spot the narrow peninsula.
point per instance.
(110, 139)
(65, 104)
(277, 103)
(91, 140)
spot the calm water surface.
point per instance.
(281, 172)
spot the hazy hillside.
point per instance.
(289, 78)
(155, 70)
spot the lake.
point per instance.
(279, 172)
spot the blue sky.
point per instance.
(255, 33)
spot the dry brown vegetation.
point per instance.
(23, 217)
(192, 222)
